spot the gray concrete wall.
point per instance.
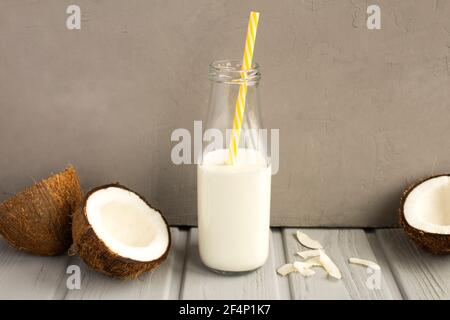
(361, 112)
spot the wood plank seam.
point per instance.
(381, 256)
(395, 272)
(185, 259)
(286, 260)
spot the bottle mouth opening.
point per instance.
(230, 71)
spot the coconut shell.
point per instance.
(38, 219)
(432, 242)
(96, 254)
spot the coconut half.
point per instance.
(425, 213)
(37, 220)
(119, 234)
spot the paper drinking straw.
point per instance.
(240, 103)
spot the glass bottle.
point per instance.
(233, 199)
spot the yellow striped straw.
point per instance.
(240, 103)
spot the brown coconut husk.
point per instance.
(433, 242)
(38, 219)
(96, 254)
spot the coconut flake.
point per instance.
(285, 269)
(306, 241)
(364, 262)
(304, 268)
(308, 253)
(329, 266)
(314, 262)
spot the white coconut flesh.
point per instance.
(427, 206)
(126, 224)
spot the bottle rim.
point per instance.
(230, 71)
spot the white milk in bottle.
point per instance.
(234, 210)
(233, 199)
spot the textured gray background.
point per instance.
(362, 113)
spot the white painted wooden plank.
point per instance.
(26, 276)
(419, 274)
(278, 253)
(384, 264)
(201, 283)
(340, 245)
(162, 283)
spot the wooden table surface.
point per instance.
(406, 272)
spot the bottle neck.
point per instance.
(230, 72)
